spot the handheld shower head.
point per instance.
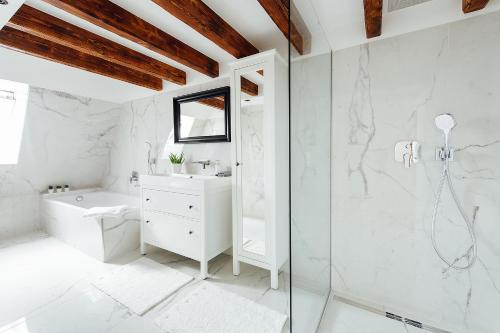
(445, 122)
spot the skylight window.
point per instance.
(13, 103)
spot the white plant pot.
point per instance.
(176, 168)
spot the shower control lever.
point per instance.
(407, 152)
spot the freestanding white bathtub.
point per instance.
(102, 238)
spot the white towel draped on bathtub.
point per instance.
(116, 211)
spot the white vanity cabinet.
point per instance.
(187, 215)
(260, 153)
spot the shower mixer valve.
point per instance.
(407, 152)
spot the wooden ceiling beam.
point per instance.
(213, 102)
(42, 48)
(469, 6)
(204, 20)
(279, 11)
(40, 24)
(249, 87)
(114, 18)
(208, 23)
(373, 17)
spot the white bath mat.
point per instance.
(210, 309)
(142, 284)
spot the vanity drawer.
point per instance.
(172, 203)
(173, 233)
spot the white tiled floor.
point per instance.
(45, 287)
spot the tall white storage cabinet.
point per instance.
(260, 128)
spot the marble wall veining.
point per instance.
(391, 90)
(66, 140)
(151, 119)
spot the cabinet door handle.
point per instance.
(190, 232)
(191, 206)
(148, 221)
(147, 199)
(238, 164)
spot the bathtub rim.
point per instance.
(52, 197)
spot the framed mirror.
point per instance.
(203, 117)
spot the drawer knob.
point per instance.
(147, 199)
(190, 232)
(191, 206)
(148, 221)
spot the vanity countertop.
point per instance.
(186, 181)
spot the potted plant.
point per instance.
(176, 160)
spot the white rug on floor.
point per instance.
(210, 309)
(142, 284)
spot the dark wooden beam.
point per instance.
(38, 23)
(249, 87)
(279, 11)
(469, 6)
(208, 23)
(42, 48)
(203, 19)
(114, 18)
(213, 102)
(373, 17)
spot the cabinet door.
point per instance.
(173, 203)
(251, 154)
(173, 233)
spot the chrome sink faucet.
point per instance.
(204, 163)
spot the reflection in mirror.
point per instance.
(252, 168)
(202, 117)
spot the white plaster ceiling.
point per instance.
(246, 16)
(343, 20)
(334, 24)
(7, 11)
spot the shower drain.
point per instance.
(407, 321)
(401, 319)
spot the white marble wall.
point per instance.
(151, 119)
(391, 90)
(66, 140)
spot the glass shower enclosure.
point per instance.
(310, 71)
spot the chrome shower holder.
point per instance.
(443, 153)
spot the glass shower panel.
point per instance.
(310, 167)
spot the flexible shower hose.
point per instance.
(471, 253)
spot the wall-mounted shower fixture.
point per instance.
(446, 122)
(134, 178)
(407, 152)
(150, 159)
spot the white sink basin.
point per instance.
(184, 181)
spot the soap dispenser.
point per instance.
(217, 167)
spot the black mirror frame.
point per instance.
(224, 91)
